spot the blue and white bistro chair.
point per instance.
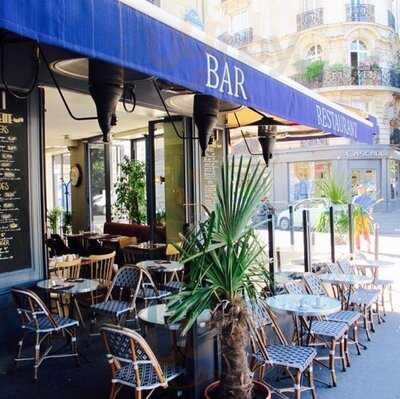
(130, 283)
(133, 363)
(296, 360)
(36, 319)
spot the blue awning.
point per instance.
(138, 35)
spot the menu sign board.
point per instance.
(14, 185)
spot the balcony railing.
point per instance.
(377, 76)
(238, 39)
(309, 19)
(360, 13)
(391, 20)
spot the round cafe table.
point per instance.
(374, 265)
(71, 287)
(162, 265)
(303, 305)
(347, 279)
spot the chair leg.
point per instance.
(37, 356)
(383, 302)
(366, 323)
(371, 318)
(342, 354)
(311, 382)
(19, 350)
(297, 387)
(332, 362)
(115, 388)
(74, 346)
(346, 350)
(355, 337)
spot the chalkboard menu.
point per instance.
(14, 185)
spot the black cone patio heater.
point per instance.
(267, 141)
(205, 116)
(106, 86)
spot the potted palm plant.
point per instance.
(226, 270)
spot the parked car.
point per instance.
(316, 206)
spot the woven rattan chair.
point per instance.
(133, 363)
(297, 360)
(350, 317)
(36, 319)
(363, 298)
(148, 291)
(101, 268)
(67, 269)
(120, 300)
(325, 333)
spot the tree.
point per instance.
(227, 269)
(130, 190)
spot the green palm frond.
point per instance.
(224, 257)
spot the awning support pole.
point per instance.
(150, 180)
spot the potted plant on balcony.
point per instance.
(314, 71)
(227, 268)
(130, 191)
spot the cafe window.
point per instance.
(61, 186)
(304, 177)
(394, 175)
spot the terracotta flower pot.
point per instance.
(259, 388)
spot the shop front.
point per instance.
(374, 167)
(71, 54)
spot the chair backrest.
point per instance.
(124, 241)
(333, 267)
(129, 256)
(127, 346)
(30, 306)
(101, 268)
(314, 284)
(346, 266)
(67, 269)
(172, 253)
(126, 282)
(295, 287)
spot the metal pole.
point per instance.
(107, 179)
(306, 240)
(150, 181)
(332, 233)
(271, 251)
(291, 224)
(377, 232)
(351, 229)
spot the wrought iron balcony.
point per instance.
(391, 20)
(374, 76)
(360, 13)
(237, 39)
(309, 19)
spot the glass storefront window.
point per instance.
(366, 178)
(394, 175)
(303, 178)
(61, 186)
